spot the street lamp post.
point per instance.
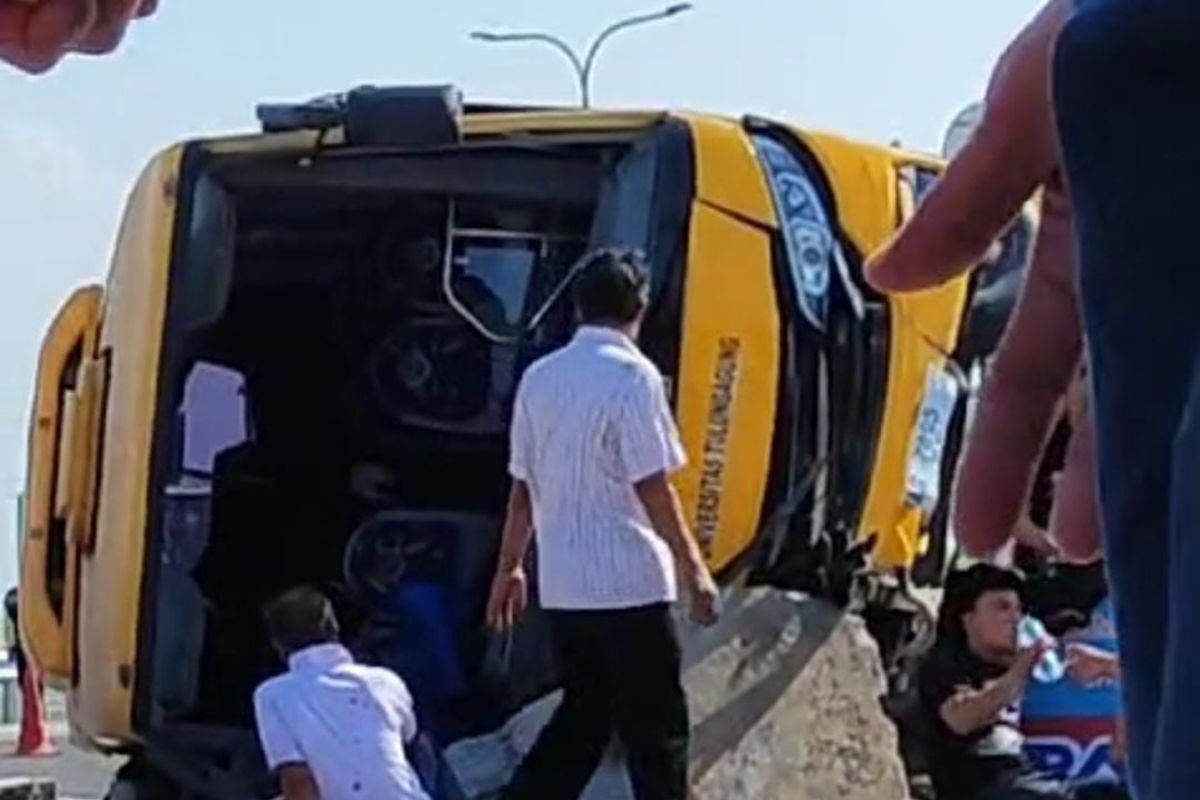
(582, 66)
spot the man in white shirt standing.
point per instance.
(331, 728)
(592, 445)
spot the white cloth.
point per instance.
(485, 764)
(347, 722)
(590, 421)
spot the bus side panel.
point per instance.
(111, 575)
(728, 176)
(918, 321)
(730, 343)
(729, 374)
(924, 327)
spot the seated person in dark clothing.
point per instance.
(971, 686)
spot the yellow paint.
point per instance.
(272, 143)
(919, 321)
(111, 575)
(728, 174)
(84, 473)
(473, 125)
(47, 638)
(863, 179)
(730, 295)
(561, 121)
(924, 327)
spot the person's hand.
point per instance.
(1120, 744)
(1010, 156)
(1036, 538)
(508, 598)
(1016, 678)
(705, 598)
(1027, 659)
(1074, 516)
(1089, 665)
(36, 34)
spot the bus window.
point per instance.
(212, 418)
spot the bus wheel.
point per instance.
(136, 781)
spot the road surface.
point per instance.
(79, 775)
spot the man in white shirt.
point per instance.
(331, 728)
(592, 444)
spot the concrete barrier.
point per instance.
(784, 697)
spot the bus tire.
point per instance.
(135, 781)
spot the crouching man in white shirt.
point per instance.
(331, 728)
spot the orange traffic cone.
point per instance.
(35, 737)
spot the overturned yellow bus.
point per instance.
(300, 369)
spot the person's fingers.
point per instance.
(1029, 657)
(518, 604)
(1011, 152)
(705, 609)
(495, 606)
(1119, 741)
(34, 36)
(1074, 517)
(110, 26)
(1077, 400)
(1031, 370)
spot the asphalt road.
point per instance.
(79, 775)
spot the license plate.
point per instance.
(924, 484)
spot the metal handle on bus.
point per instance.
(48, 590)
(83, 466)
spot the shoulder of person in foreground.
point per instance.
(392, 692)
(271, 688)
(649, 434)
(281, 743)
(640, 375)
(534, 378)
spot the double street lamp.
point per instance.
(582, 66)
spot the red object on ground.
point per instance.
(35, 735)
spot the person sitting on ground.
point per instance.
(331, 728)
(971, 687)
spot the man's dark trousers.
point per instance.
(1126, 74)
(621, 673)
